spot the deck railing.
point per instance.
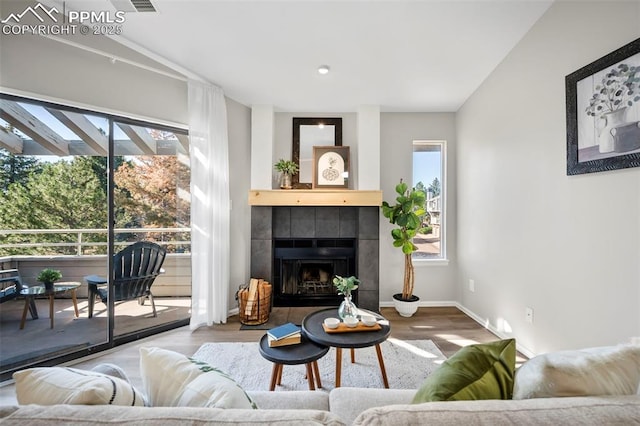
(178, 240)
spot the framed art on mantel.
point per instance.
(603, 113)
(331, 167)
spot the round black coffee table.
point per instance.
(306, 352)
(312, 327)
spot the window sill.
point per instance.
(430, 262)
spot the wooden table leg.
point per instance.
(382, 369)
(353, 356)
(280, 367)
(274, 377)
(310, 378)
(51, 308)
(75, 302)
(27, 301)
(338, 366)
(316, 372)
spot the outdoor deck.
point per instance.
(37, 339)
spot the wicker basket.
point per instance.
(259, 310)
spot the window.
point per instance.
(429, 175)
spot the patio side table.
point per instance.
(58, 288)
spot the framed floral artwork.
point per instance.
(331, 167)
(603, 113)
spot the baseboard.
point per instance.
(485, 323)
(424, 304)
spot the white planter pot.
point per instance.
(405, 308)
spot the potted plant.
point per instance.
(48, 277)
(345, 286)
(287, 168)
(407, 214)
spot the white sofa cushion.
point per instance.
(84, 415)
(171, 379)
(583, 411)
(612, 370)
(63, 385)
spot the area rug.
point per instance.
(408, 363)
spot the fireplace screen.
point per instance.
(304, 270)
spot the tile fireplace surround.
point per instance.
(359, 222)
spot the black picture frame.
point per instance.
(336, 122)
(594, 143)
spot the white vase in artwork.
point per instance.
(612, 120)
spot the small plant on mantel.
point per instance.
(287, 168)
(408, 215)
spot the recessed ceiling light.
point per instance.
(323, 69)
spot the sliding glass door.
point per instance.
(77, 188)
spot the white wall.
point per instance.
(434, 281)
(528, 234)
(59, 72)
(239, 129)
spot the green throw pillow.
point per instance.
(482, 371)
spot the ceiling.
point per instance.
(402, 55)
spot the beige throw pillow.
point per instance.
(611, 370)
(62, 385)
(171, 379)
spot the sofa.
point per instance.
(595, 386)
(356, 406)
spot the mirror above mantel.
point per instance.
(307, 133)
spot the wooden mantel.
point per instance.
(314, 197)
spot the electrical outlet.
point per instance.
(528, 315)
(472, 285)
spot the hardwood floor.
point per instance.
(448, 327)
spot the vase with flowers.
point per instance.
(345, 286)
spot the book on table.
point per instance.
(294, 339)
(282, 331)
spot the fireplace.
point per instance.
(299, 249)
(303, 270)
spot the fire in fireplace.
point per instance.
(304, 270)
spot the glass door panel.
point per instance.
(53, 215)
(152, 204)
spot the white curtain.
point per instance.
(210, 204)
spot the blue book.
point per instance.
(282, 331)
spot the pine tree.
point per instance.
(15, 169)
(65, 195)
